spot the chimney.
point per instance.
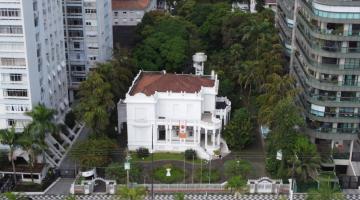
(199, 60)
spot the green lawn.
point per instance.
(162, 156)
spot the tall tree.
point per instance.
(95, 103)
(9, 137)
(32, 147)
(274, 90)
(286, 121)
(41, 125)
(306, 159)
(238, 132)
(259, 5)
(42, 122)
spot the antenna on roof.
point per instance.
(199, 59)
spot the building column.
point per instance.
(351, 149)
(218, 138)
(199, 135)
(169, 127)
(332, 144)
(213, 137)
(206, 137)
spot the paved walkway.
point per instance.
(68, 163)
(61, 187)
(187, 197)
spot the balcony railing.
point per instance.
(326, 65)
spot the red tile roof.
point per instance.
(150, 82)
(130, 4)
(270, 1)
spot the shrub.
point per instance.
(142, 152)
(214, 176)
(177, 175)
(190, 154)
(70, 119)
(238, 168)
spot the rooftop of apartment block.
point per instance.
(130, 4)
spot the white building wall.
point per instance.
(32, 59)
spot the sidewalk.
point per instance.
(61, 187)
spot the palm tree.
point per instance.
(137, 193)
(326, 191)
(96, 101)
(307, 161)
(277, 88)
(9, 137)
(42, 122)
(238, 184)
(32, 147)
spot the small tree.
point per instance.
(236, 184)
(238, 132)
(190, 154)
(136, 193)
(237, 168)
(179, 196)
(326, 191)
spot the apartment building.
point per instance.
(326, 64)
(88, 38)
(176, 112)
(126, 14)
(284, 22)
(32, 59)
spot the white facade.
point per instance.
(128, 14)
(88, 29)
(176, 121)
(32, 59)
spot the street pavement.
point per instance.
(187, 197)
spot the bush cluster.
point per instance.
(142, 152)
(190, 154)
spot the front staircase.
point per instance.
(59, 145)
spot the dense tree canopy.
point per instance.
(238, 133)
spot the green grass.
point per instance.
(163, 156)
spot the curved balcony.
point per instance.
(332, 117)
(324, 84)
(327, 51)
(333, 133)
(334, 35)
(338, 69)
(331, 101)
(309, 9)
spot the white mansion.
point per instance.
(176, 111)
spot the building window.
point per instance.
(11, 122)
(77, 45)
(161, 132)
(9, 12)
(11, 29)
(92, 58)
(16, 93)
(15, 77)
(90, 11)
(12, 61)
